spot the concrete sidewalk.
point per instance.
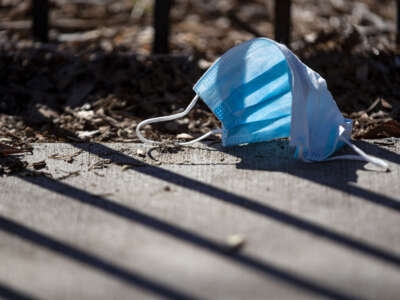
(118, 223)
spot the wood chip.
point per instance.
(86, 115)
(101, 164)
(69, 158)
(386, 104)
(39, 165)
(84, 135)
(184, 136)
(69, 174)
(125, 167)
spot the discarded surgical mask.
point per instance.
(261, 91)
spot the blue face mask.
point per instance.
(261, 91)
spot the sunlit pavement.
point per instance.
(124, 221)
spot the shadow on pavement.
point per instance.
(174, 231)
(277, 162)
(262, 208)
(11, 293)
(85, 258)
(276, 156)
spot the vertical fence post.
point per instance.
(40, 20)
(398, 23)
(283, 21)
(161, 26)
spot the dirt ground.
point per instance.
(97, 79)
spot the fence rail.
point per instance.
(161, 22)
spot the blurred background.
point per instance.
(97, 78)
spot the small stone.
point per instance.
(235, 242)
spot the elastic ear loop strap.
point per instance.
(170, 118)
(361, 155)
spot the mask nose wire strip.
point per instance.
(170, 118)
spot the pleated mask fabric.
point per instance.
(260, 91)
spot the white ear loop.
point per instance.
(170, 118)
(361, 154)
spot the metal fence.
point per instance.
(161, 22)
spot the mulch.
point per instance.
(97, 79)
